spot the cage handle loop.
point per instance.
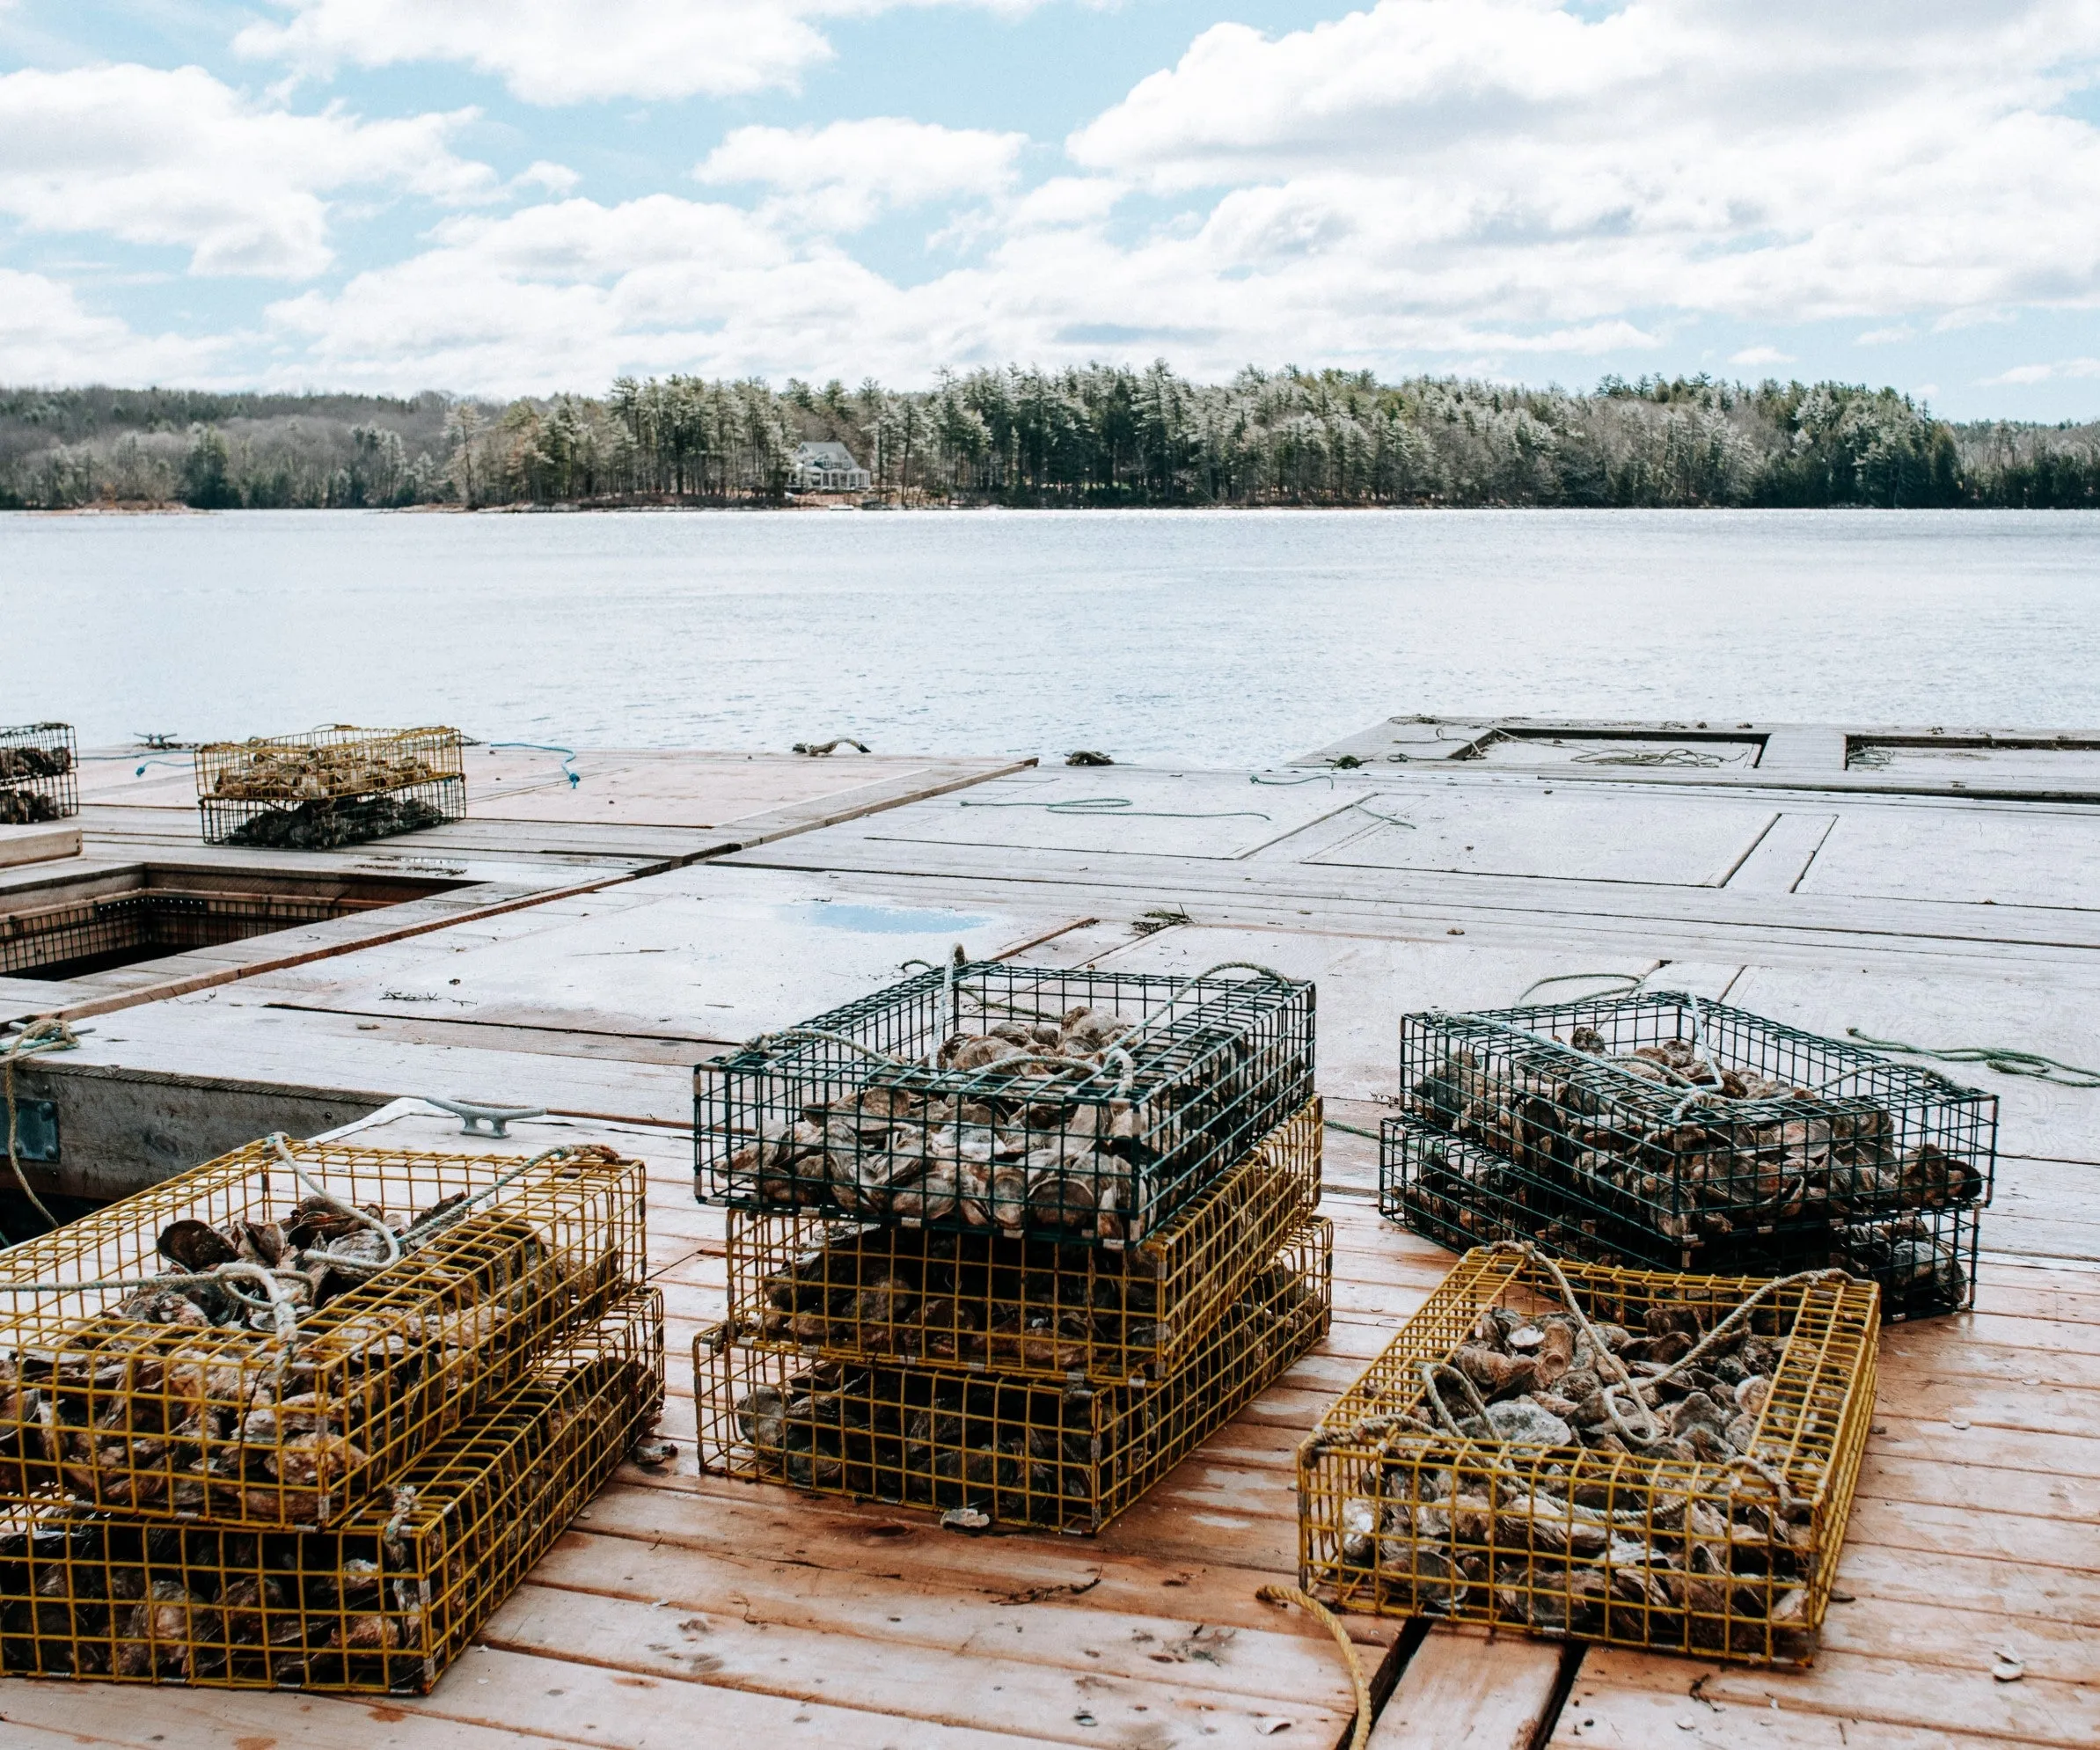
(372, 1222)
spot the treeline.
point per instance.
(1100, 436)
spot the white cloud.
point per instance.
(1531, 162)
(46, 338)
(175, 158)
(556, 179)
(2024, 374)
(845, 175)
(573, 51)
(1446, 184)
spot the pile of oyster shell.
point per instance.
(1499, 1528)
(20, 764)
(180, 1396)
(25, 808)
(1017, 1150)
(322, 825)
(964, 1296)
(1023, 1452)
(269, 773)
(84, 1595)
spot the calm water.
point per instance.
(1225, 637)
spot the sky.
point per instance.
(503, 197)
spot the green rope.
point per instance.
(1120, 806)
(1633, 981)
(2004, 1060)
(1350, 1130)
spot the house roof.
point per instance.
(825, 454)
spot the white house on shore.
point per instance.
(827, 467)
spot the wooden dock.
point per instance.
(1940, 892)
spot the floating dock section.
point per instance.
(579, 948)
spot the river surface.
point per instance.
(1221, 638)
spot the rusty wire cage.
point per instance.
(1688, 1123)
(1461, 1193)
(383, 1603)
(338, 786)
(1083, 1106)
(1020, 1452)
(1724, 1545)
(197, 1397)
(870, 1293)
(40, 773)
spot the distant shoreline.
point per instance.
(794, 506)
(1094, 438)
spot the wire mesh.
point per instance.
(324, 822)
(1018, 1450)
(184, 1400)
(1686, 1123)
(384, 1603)
(86, 934)
(1460, 1193)
(1557, 1525)
(868, 1292)
(40, 773)
(339, 786)
(1084, 1106)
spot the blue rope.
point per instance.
(568, 756)
(141, 773)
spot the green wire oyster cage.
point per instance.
(1083, 1107)
(1662, 1130)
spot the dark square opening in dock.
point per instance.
(123, 917)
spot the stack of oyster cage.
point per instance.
(304, 1416)
(1658, 1130)
(1008, 1241)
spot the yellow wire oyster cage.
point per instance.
(1018, 1452)
(1461, 1478)
(265, 1340)
(884, 1292)
(382, 1604)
